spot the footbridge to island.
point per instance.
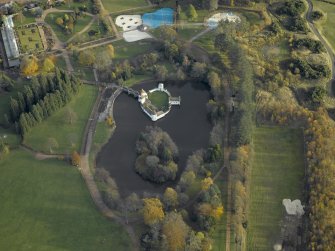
(131, 91)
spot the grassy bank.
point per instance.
(219, 235)
(277, 173)
(121, 5)
(102, 134)
(327, 26)
(46, 206)
(68, 136)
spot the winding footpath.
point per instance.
(89, 179)
(325, 43)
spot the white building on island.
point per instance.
(143, 97)
(150, 109)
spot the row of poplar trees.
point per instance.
(46, 95)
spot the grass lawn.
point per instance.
(207, 42)
(82, 72)
(97, 27)
(219, 235)
(187, 32)
(60, 62)
(252, 17)
(124, 49)
(279, 51)
(27, 18)
(202, 15)
(60, 33)
(120, 5)
(72, 5)
(68, 136)
(30, 39)
(9, 137)
(277, 174)
(327, 27)
(159, 99)
(46, 206)
(136, 79)
(101, 136)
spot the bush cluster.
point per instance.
(309, 71)
(157, 155)
(314, 46)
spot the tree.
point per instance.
(171, 51)
(215, 83)
(133, 202)
(70, 116)
(170, 198)
(223, 41)
(59, 21)
(109, 121)
(86, 58)
(152, 211)
(103, 61)
(4, 149)
(191, 12)
(180, 75)
(111, 51)
(15, 109)
(175, 231)
(29, 65)
(198, 70)
(213, 4)
(48, 64)
(319, 94)
(206, 183)
(51, 143)
(161, 72)
(167, 33)
(75, 158)
(317, 15)
(195, 241)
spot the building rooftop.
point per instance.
(9, 40)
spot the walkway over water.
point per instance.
(131, 91)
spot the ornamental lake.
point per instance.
(188, 126)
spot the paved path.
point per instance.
(322, 39)
(200, 34)
(83, 30)
(40, 155)
(95, 72)
(103, 10)
(97, 44)
(66, 57)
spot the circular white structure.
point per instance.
(214, 20)
(151, 110)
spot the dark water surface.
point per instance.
(187, 125)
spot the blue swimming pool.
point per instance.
(158, 18)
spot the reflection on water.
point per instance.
(187, 125)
